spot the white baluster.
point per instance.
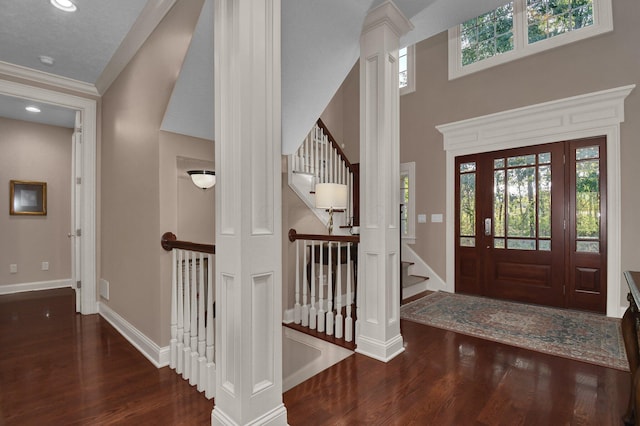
(174, 310)
(180, 303)
(348, 213)
(325, 158)
(211, 368)
(305, 286)
(309, 151)
(296, 307)
(193, 377)
(330, 159)
(348, 322)
(316, 160)
(186, 373)
(338, 295)
(330, 290)
(335, 165)
(358, 313)
(202, 344)
(321, 310)
(313, 318)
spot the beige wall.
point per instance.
(132, 112)
(35, 152)
(603, 62)
(342, 115)
(600, 63)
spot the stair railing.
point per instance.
(321, 157)
(192, 312)
(329, 311)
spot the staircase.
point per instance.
(321, 160)
(326, 302)
(410, 282)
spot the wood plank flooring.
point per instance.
(59, 368)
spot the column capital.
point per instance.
(387, 14)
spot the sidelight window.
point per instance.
(467, 204)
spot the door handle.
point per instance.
(487, 226)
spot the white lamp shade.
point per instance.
(204, 179)
(331, 196)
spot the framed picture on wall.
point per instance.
(27, 198)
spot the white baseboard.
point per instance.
(36, 286)
(159, 356)
(414, 289)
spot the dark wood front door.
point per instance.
(530, 224)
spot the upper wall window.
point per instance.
(521, 28)
(407, 69)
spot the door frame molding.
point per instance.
(88, 108)
(592, 114)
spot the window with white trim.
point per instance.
(406, 67)
(521, 28)
(407, 202)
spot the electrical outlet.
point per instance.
(13, 268)
(103, 288)
(45, 266)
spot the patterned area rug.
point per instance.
(577, 335)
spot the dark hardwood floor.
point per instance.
(58, 368)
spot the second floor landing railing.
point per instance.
(326, 283)
(192, 312)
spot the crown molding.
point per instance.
(152, 13)
(41, 77)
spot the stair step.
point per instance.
(406, 263)
(413, 279)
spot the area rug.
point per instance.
(576, 335)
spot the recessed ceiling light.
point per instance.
(32, 108)
(46, 60)
(65, 5)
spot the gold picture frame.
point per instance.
(27, 198)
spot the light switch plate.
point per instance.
(436, 218)
(422, 218)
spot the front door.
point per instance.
(530, 224)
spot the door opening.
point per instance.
(86, 203)
(531, 224)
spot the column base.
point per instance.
(377, 349)
(275, 417)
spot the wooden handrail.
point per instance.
(293, 235)
(169, 241)
(335, 145)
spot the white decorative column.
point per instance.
(248, 220)
(379, 266)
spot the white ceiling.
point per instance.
(54, 115)
(320, 44)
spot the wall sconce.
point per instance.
(203, 179)
(331, 196)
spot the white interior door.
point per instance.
(76, 212)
